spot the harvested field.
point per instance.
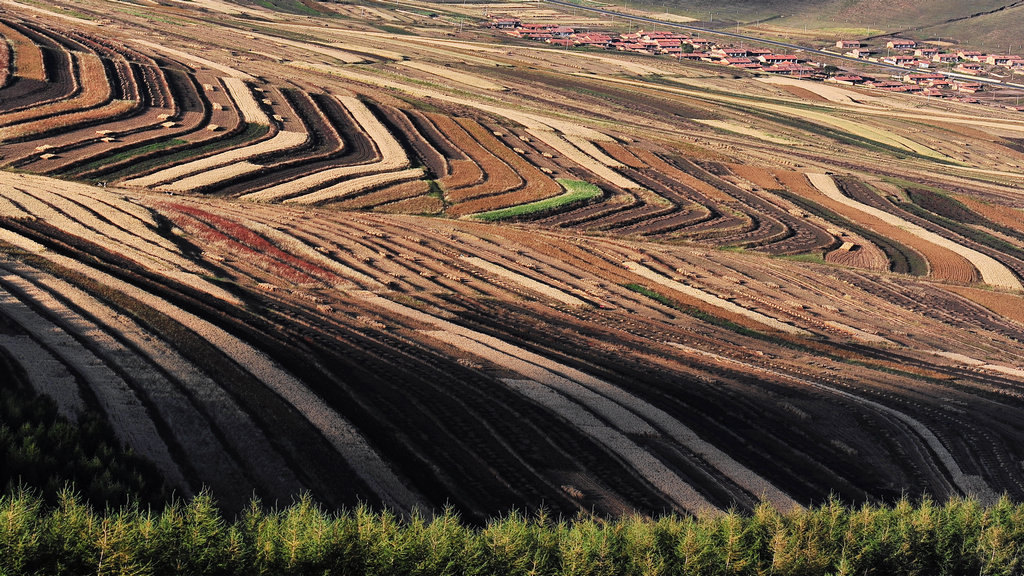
(354, 186)
(454, 75)
(415, 205)
(388, 195)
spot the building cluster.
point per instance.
(907, 54)
(681, 46)
(919, 60)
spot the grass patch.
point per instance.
(393, 29)
(251, 132)
(576, 191)
(812, 257)
(124, 155)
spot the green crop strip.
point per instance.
(576, 191)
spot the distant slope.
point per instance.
(929, 18)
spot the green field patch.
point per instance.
(126, 154)
(576, 191)
(251, 132)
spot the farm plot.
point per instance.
(497, 175)
(596, 167)
(219, 167)
(535, 185)
(25, 59)
(992, 271)
(601, 397)
(95, 91)
(391, 157)
(905, 248)
(117, 341)
(454, 75)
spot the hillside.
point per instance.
(988, 24)
(381, 260)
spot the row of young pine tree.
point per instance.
(68, 536)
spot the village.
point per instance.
(922, 63)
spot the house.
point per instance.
(730, 52)
(1000, 60)
(945, 58)
(848, 44)
(972, 55)
(900, 60)
(846, 79)
(534, 27)
(901, 44)
(926, 52)
(700, 43)
(746, 63)
(969, 68)
(967, 87)
(757, 52)
(791, 69)
(883, 84)
(566, 42)
(506, 23)
(859, 53)
(922, 78)
(778, 58)
(562, 32)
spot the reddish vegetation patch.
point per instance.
(244, 242)
(1007, 305)
(619, 152)
(755, 175)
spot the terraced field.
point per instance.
(609, 308)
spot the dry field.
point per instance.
(703, 290)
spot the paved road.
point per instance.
(788, 46)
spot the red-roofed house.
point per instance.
(926, 52)
(1000, 60)
(900, 60)
(848, 44)
(730, 52)
(972, 55)
(969, 68)
(922, 78)
(740, 63)
(791, 69)
(901, 44)
(967, 87)
(945, 58)
(778, 58)
(847, 79)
